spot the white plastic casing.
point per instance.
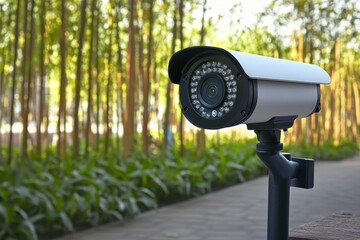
(274, 69)
(276, 98)
(284, 88)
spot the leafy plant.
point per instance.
(329, 150)
(48, 197)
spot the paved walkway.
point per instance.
(239, 212)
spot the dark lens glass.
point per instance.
(212, 90)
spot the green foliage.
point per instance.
(327, 151)
(48, 197)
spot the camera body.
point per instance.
(222, 88)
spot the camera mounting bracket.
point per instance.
(284, 172)
(274, 123)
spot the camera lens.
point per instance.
(211, 90)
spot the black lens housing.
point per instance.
(206, 92)
(211, 90)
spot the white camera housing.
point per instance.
(222, 88)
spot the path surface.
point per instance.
(239, 212)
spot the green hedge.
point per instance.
(326, 151)
(50, 197)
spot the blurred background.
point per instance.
(84, 86)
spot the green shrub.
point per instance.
(48, 197)
(326, 151)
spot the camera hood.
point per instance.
(254, 66)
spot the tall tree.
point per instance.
(108, 112)
(201, 133)
(24, 85)
(140, 70)
(91, 75)
(42, 78)
(78, 82)
(129, 116)
(146, 84)
(120, 72)
(28, 77)
(2, 76)
(97, 77)
(61, 125)
(169, 87)
(182, 118)
(13, 85)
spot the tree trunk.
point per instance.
(129, 125)
(120, 75)
(91, 73)
(201, 138)
(108, 112)
(140, 70)
(13, 85)
(2, 74)
(301, 58)
(2, 77)
(169, 88)
(202, 31)
(97, 78)
(42, 78)
(337, 100)
(296, 131)
(61, 127)
(294, 52)
(24, 97)
(182, 118)
(78, 81)
(146, 85)
(356, 91)
(29, 74)
(2, 109)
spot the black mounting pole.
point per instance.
(284, 172)
(281, 171)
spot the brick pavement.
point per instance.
(239, 212)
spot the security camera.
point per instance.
(222, 88)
